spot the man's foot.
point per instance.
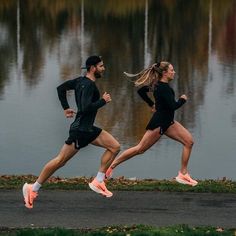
(185, 179)
(109, 173)
(98, 187)
(29, 195)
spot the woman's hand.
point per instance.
(153, 109)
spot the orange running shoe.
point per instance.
(109, 173)
(98, 187)
(29, 195)
(185, 179)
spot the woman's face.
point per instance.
(170, 73)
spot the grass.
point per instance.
(81, 183)
(136, 230)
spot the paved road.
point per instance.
(86, 209)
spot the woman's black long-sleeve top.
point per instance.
(165, 105)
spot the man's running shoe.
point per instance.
(98, 187)
(109, 173)
(29, 195)
(185, 179)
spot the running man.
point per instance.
(82, 131)
(157, 78)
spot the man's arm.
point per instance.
(86, 104)
(61, 91)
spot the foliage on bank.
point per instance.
(122, 184)
(136, 230)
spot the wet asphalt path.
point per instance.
(86, 209)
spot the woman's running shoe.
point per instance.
(185, 179)
(109, 173)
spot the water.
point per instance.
(43, 43)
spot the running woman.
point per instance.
(82, 130)
(157, 78)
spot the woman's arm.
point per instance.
(169, 97)
(143, 94)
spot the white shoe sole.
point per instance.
(24, 190)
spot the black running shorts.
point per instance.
(160, 120)
(82, 138)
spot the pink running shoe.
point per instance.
(29, 195)
(109, 173)
(98, 187)
(185, 179)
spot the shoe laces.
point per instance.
(32, 194)
(187, 175)
(105, 188)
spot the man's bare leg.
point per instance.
(66, 153)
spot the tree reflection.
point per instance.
(128, 34)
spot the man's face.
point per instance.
(99, 69)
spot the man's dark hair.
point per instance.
(92, 61)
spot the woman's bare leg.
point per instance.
(182, 135)
(149, 138)
(66, 153)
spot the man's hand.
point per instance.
(69, 113)
(106, 96)
(184, 97)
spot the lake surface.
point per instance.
(43, 43)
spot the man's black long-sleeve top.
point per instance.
(87, 99)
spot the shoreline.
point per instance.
(122, 184)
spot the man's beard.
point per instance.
(97, 74)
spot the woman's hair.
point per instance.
(151, 74)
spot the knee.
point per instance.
(189, 142)
(115, 148)
(140, 150)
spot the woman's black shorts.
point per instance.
(160, 120)
(82, 138)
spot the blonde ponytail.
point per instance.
(150, 75)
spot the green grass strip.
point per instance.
(81, 183)
(136, 230)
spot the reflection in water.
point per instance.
(19, 66)
(45, 42)
(210, 42)
(147, 58)
(82, 33)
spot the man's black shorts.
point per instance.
(82, 138)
